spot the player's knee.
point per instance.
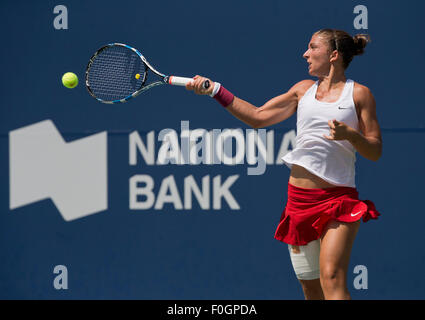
(311, 288)
(332, 276)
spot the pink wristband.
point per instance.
(224, 97)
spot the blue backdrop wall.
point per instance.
(255, 49)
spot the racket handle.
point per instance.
(182, 81)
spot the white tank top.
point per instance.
(331, 160)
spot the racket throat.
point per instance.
(166, 79)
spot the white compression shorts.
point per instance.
(305, 260)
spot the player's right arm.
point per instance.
(273, 111)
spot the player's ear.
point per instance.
(334, 56)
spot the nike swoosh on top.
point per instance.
(343, 108)
(355, 214)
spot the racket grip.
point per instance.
(182, 81)
(179, 81)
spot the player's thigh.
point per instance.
(305, 260)
(336, 244)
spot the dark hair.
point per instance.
(345, 44)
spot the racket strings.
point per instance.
(113, 73)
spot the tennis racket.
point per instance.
(117, 72)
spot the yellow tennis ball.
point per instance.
(137, 75)
(70, 80)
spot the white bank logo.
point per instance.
(74, 174)
(43, 165)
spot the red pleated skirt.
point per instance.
(307, 212)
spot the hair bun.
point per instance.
(360, 42)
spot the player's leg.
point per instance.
(312, 289)
(305, 261)
(335, 249)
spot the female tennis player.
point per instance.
(336, 117)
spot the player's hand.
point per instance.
(197, 85)
(338, 130)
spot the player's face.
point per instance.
(317, 56)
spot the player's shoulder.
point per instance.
(361, 92)
(302, 86)
(307, 83)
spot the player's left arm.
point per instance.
(368, 142)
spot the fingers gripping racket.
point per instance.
(117, 72)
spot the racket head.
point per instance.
(116, 73)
